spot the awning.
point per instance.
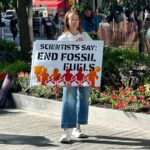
(57, 4)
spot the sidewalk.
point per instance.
(25, 130)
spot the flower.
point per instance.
(130, 89)
(127, 99)
(141, 88)
(132, 98)
(113, 96)
(142, 97)
(117, 105)
(2, 75)
(123, 104)
(23, 74)
(114, 91)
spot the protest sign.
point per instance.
(63, 63)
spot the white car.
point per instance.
(6, 21)
(10, 13)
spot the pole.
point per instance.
(93, 5)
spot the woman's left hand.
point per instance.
(79, 39)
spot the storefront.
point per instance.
(53, 6)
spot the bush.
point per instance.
(15, 67)
(121, 68)
(22, 83)
(7, 46)
(127, 99)
(8, 51)
(124, 66)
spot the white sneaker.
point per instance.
(77, 133)
(65, 138)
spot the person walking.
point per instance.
(91, 20)
(14, 26)
(75, 100)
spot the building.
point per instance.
(53, 6)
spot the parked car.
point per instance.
(10, 13)
(6, 21)
(7, 17)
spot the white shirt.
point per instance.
(71, 37)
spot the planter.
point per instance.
(96, 114)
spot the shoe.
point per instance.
(65, 138)
(77, 133)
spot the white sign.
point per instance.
(59, 63)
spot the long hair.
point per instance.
(66, 24)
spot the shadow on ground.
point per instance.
(40, 141)
(112, 140)
(4, 112)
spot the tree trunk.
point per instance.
(25, 27)
(140, 23)
(141, 37)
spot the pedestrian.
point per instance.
(91, 20)
(75, 100)
(14, 26)
(42, 25)
(50, 28)
(147, 29)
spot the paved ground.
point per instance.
(20, 130)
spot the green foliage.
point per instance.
(42, 91)
(135, 5)
(7, 4)
(16, 67)
(117, 64)
(8, 46)
(95, 95)
(127, 99)
(131, 5)
(8, 51)
(1, 67)
(23, 84)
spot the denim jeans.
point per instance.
(75, 102)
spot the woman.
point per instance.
(14, 26)
(147, 30)
(75, 100)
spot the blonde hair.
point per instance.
(66, 25)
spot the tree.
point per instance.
(25, 27)
(7, 4)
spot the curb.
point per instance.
(96, 114)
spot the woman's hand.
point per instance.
(79, 39)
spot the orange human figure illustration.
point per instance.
(37, 71)
(79, 77)
(54, 77)
(41, 74)
(67, 77)
(92, 76)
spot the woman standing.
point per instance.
(14, 26)
(75, 100)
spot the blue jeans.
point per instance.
(75, 102)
